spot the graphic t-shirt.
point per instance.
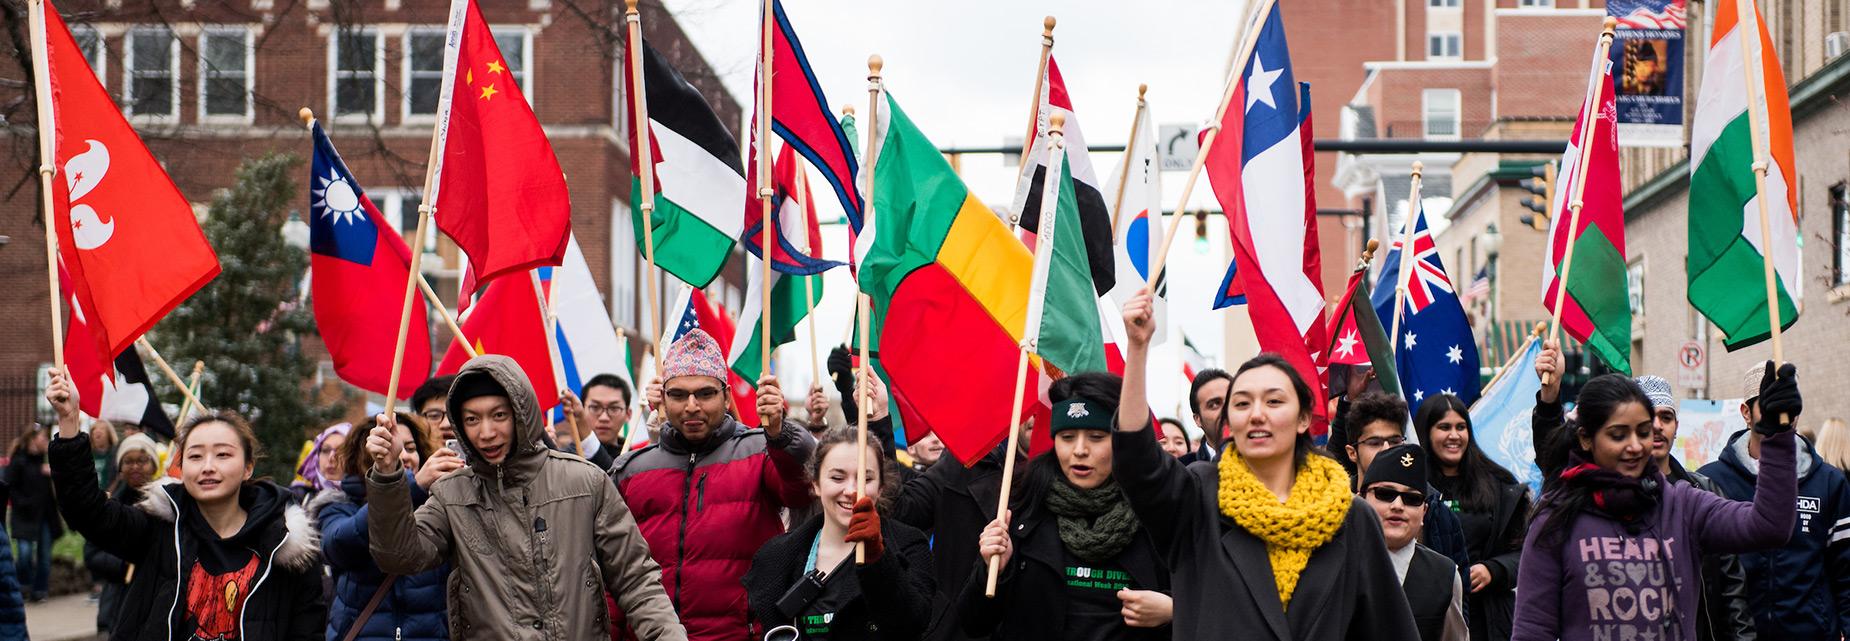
(1631, 584)
(215, 600)
(1093, 610)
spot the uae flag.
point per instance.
(1597, 311)
(699, 187)
(1727, 252)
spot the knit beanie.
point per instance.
(695, 354)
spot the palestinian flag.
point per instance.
(950, 293)
(1598, 311)
(788, 291)
(1094, 216)
(699, 186)
(1727, 252)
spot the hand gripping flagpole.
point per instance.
(48, 157)
(1034, 110)
(1050, 198)
(1577, 183)
(1249, 40)
(765, 192)
(1124, 176)
(1748, 32)
(1407, 256)
(645, 163)
(863, 308)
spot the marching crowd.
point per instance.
(470, 518)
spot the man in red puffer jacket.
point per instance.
(708, 493)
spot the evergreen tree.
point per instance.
(250, 324)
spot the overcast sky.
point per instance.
(964, 72)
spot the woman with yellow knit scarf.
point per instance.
(1267, 542)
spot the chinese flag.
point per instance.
(129, 241)
(508, 321)
(500, 193)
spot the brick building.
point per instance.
(209, 84)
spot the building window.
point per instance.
(153, 73)
(622, 266)
(1444, 45)
(1440, 113)
(1442, 4)
(424, 66)
(1840, 230)
(1536, 4)
(400, 210)
(90, 42)
(225, 74)
(1634, 288)
(356, 61)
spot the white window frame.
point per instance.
(1444, 4)
(250, 76)
(99, 64)
(378, 111)
(403, 221)
(1443, 38)
(1426, 113)
(1535, 4)
(524, 75)
(128, 74)
(623, 266)
(619, 100)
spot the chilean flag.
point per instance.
(1262, 144)
(359, 265)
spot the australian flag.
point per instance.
(1434, 350)
(358, 265)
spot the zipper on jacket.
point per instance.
(687, 487)
(700, 494)
(267, 567)
(177, 573)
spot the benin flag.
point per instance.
(1598, 312)
(1727, 253)
(950, 292)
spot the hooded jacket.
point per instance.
(184, 570)
(413, 608)
(535, 541)
(1800, 590)
(706, 509)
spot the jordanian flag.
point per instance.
(1727, 253)
(1063, 307)
(1598, 311)
(950, 292)
(788, 291)
(699, 186)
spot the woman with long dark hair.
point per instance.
(1268, 543)
(1491, 504)
(1616, 550)
(33, 518)
(1076, 563)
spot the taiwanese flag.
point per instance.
(359, 265)
(127, 237)
(499, 190)
(508, 320)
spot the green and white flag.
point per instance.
(1063, 310)
(699, 186)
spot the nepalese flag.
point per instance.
(1094, 217)
(1434, 349)
(797, 232)
(800, 115)
(116, 391)
(1260, 149)
(693, 310)
(359, 265)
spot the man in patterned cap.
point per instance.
(707, 494)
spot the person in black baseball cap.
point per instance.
(1395, 486)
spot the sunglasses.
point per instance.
(1408, 498)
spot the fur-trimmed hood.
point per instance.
(265, 502)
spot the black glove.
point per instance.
(1779, 399)
(841, 372)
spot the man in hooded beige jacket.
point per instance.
(536, 536)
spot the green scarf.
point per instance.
(1095, 524)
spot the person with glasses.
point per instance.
(710, 491)
(606, 410)
(1394, 484)
(428, 401)
(1372, 422)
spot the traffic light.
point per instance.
(1542, 188)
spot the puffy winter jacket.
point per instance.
(1800, 590)
(412, 610)
(707, 508)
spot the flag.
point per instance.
(118, 390)
(1063, 307)
(1192, 361)
(1094, 219)
(789, 290)
(797, 233)
(800, 115)
(1435, 353)
(700, 194)
(587, 342)
(638, 433)
(1727, 253)
(1139, 232)
(1500, 420)
(1480, 285)
(949, 285)
(1597, 311)
(1357, 339)
(359, 265)
(499, 192)
(1261, 147)
(1230, 292)
(126, 236)
(510, 320)
(693, 310)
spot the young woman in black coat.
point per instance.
(1491, 504)
(1076, 563)
(887, 598)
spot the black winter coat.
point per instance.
(1494, 539)
(1030, 602)
(164, 536)
(887, 599)
(952, 503)
(29, 492)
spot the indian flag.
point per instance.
(699, 186)
(1742, 89)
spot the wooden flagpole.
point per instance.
(550, 315)
(863, 308)
(646, 164)
(1407, 256)
(1577, 182)
(1248, 40)
(1124, 176)
(1748, 32)
(48, 157)
(192, 385)
(1026, 169)
(765, 193)
(1050, 198)
(172, 377)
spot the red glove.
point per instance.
(864, 528)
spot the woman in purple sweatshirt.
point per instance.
(1615, 551)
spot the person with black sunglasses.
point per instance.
(1394, 483)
